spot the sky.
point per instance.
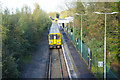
(46, 5)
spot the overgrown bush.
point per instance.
(21, 33)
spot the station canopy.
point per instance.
(62, 21)
(70, 19)
(66, 20)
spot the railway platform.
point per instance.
(76, 65)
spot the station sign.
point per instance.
(100, 63)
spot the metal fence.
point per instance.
(91, 59)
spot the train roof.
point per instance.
(54, 28)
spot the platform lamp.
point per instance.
(105, 42)
(81, 29)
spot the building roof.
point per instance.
(70, 19)
(63, 21)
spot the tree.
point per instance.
(21, 33)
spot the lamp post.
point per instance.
(81, 29)
(105, 41)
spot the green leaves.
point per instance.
(21, 33)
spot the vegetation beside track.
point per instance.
(21, 33)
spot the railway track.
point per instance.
(56, 66)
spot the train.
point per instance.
(54, 36)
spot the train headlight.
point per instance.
(50, 41)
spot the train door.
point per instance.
(55, 39)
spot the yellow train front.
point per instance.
(54, 37)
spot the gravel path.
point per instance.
(37, 66)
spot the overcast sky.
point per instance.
(46, 5)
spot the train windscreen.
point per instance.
(58, 36)
(54, 36)
(51, 37)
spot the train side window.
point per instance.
(51, 36)
(58, 36)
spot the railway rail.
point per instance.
(56, 65)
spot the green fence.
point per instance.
(78, 46)
(91, 59)
(84, 50)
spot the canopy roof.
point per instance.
(62, 21)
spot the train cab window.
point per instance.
(51, 36)
(58, 36)
(54, 37)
